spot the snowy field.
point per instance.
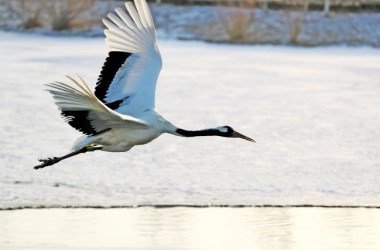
(315, 114)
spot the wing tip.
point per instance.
(133, 23)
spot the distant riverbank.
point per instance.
(218, 24)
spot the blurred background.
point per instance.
(296, 22)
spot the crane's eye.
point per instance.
(229, 129)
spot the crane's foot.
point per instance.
(47, 162)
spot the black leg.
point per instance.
(54, 160)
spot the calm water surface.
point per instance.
(191, 228)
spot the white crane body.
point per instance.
(120, 140)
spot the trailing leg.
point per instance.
(54, 160)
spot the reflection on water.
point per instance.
(191, 228)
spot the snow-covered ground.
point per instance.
(314, 113)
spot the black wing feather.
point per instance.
(112, 64)
(79, 120)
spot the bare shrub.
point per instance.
(236, 24)
(69, 14)
(295, 22)
(26, 13)
(58, 14)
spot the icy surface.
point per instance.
(315, 114)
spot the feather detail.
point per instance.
(130, 37)
(138, 28)
(83, 110)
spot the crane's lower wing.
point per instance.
(128, 78)
(85, 112)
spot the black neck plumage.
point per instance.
(204, 132)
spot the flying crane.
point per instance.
(121, 112)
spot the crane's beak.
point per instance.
(238, 135)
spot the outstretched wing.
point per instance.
(85, 112)
(127, 82)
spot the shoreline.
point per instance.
(164, 206)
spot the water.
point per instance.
(191, 228)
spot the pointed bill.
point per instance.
(238, 135)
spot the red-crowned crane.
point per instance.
(121, 112)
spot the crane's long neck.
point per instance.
(224, 131)
(203, 132)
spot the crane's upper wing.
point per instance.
(128, 78)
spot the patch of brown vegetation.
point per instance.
(236, 24)
(57, 14)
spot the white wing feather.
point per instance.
(78, 97)
(134, 33)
